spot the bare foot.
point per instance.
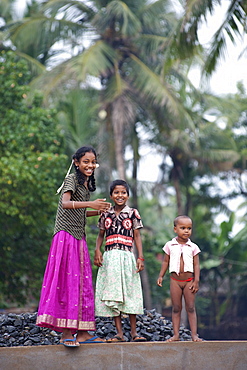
(173, 339)
(196, 339)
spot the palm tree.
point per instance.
(115, 41)
(204, 149)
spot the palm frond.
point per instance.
(145, 80)
(115, 88)
(233, 25)
(78, 10)
(97, 60)
(51, 80)
(76, 114)
(35, 66)
(157, 17)
(6, 9)
(45, 31)
(155, 90)
(194, 12)
(152, 44)
(119, 14)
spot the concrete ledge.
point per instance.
(220, 355)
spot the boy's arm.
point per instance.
(97, 254)
(138, 244)
(92, 213)
(164, 268)
(195, 285)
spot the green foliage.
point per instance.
(153, 256)
(78, 118)
(30, 171)
(223, 271)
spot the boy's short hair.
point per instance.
(121, 183)
(178, 218)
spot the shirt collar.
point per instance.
(125, 209)
(175, 242)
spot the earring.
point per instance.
(77, 167)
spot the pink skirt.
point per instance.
(67, 296)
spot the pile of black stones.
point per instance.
(21, 330)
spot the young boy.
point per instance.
(118, 285)
(182, 258)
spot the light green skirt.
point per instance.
(118, 285)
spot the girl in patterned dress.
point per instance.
(118, 284)
(67, 297)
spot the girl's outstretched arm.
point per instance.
(138, 244)
(98, 204)
(98, 259)
(164, 268)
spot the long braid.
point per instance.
(80, 177)
(92, 183)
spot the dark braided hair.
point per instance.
(82, 178)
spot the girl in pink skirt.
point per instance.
(67, 297)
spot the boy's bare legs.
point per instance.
(176, 296)
(191, 312)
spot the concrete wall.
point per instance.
(218, 355)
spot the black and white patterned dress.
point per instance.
(118, 285)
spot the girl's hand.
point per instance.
(139, 265)
(194, 287)
(101, 205)
(159, 281)
(98, 259)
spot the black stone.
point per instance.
(35, 330)
(10, 329)
(21, 330)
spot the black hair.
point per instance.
(119, 182)
(177, 219)
(81, 178)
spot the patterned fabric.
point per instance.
(67, 297)
(72, 220)
(118, 286)
(119, 230)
